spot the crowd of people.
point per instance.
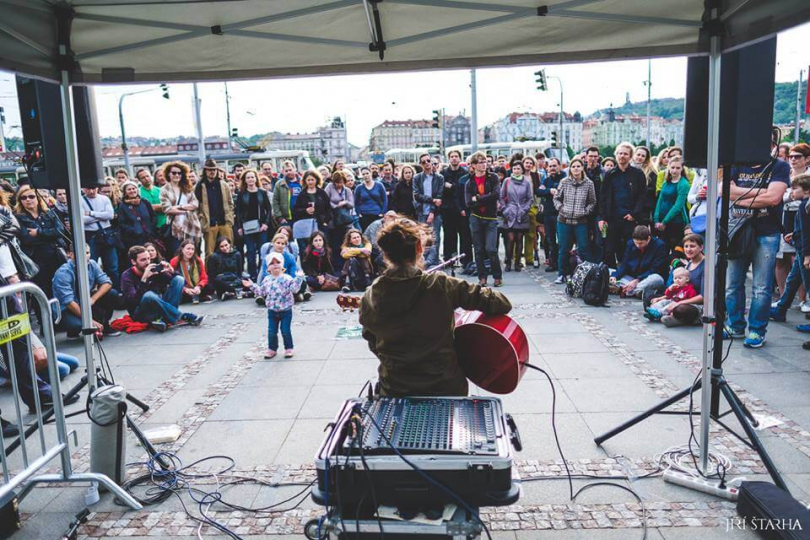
(155, 243)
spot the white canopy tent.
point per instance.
(173, 40)
(125, 41)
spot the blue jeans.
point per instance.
(566, 236)
(100, 248)
(66, 364)
(154, 306)
(762, 259)
(254, 242)
(797, 277)
(485, 243)
(432, 255)
(274, 318)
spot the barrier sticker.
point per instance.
(14, 327)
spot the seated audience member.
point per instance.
(680, 290)
(154, 252)
(278, 244)
(189, 265)
(690, 310)
(103, 298)
(225, 270)
(357, 270)
(65, 363)
(317, 263)
(644, 263)
(152, 292)
(371, 233)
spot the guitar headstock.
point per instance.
(348, 303)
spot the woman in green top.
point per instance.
(670, 216)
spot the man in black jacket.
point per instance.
(451, 211)
(622, 203)
(427, 195)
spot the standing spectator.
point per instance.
(326, 174)
(672, 152)
(481, 196)
(160, 178)
(451, 205)
(757, 193)
(98, 214)
(61, 208)
(189, 265)
(215, 206)
(312, 207)
(254, 214)
(42, 236)
(152, 292)
(593, 170)
(388, 180)
(225, 270)
(530, 240)
(151, 194)
(622, 203)
(267, 170)
(670, 216)
(800, 238)
(370, 199)
(180, 206)
(317, 262)
(607, 164)
(798, 158)
(645, 262)
(697, 199)
(285, 193)
(661, 162)
(278, 290)
(103, 297)
(574, 201)
(546, 191)
(341, 199)
(642, 159)
(427, 192)
(121, 176)
(516, 198)
(136, 219)
(402, 197)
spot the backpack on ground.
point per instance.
(577, 281)
(596, 285)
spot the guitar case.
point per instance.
(772, 512)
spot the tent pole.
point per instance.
(473, 112)
(77, 224)
(710, 327)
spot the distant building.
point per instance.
(457, 130)
(611, 129)
(533, 126)
(403, 134)
(327, 143)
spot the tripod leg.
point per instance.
(146, 444)
(646, 414)
(737, 407)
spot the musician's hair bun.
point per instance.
(398, 240)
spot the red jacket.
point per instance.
(686, 292)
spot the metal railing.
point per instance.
(13, 298)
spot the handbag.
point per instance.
(303, 228)
(698, 224)
(342, 215)
(26, 267)
(251, 226)
(330, 283)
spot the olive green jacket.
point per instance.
(408, 321)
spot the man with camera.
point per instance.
(152, 292)
(103, 297)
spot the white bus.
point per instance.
(277, 157)
(410, 155)
(502, 148)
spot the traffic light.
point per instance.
(554, 138)
(2, 116)
(542, 85)
(437, 114)
(164, 88)
(235, 133)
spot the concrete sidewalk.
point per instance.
(607, 364)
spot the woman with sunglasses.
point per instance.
(42, 236)
(180, 206)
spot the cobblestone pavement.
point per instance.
(607, 364)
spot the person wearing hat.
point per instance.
(216, 206)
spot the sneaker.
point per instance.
(160, 326)
(559, 281)
(74, 337)
(228, 295)
(728, 333)
(507, 266)
(777, 316)
(482, 282)
(649, 316)
(289, 353)
(345, 289)
(551, 268)
(669, 321)
(653, 313)
(192, 319)
(260, 300)
(806, 345)
(269, 353)
(498, 283)
(46, 402)
(804, 307)
(754, 340)
(803, 328)
(195, 299)
(111, 332)
(206, 299)
(9, 429)
(518, 267)
(239, 294)
(536, 263)
(307, 295)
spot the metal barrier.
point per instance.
(16, 327)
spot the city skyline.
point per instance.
(301, 105)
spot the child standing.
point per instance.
(278, 289)
(800, 238)
(680, 289)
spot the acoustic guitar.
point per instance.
(492, 349)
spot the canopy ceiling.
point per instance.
(172, 40)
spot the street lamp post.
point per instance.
(796, 130)
(124, 146)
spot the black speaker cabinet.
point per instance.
(746, 106)
(44, 137)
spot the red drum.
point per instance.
(492, 350)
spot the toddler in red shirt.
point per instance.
(680, 290)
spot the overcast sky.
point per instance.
(301, 105)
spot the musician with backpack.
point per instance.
(408, 317)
